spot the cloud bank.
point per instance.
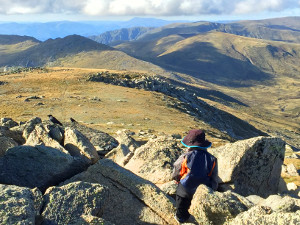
(145, 7)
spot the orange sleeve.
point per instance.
(184, 169)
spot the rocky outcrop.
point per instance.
(264, 215)
(251, 166)
(289, 170)
(125, 150)
(8, 122)
(215, 207)
(16, 133)
(107, 193)
(78, 145)
(30, 125)
(69, 141)
(169, 188)
(6, 143)
(57, 133)
(19, 205)
(68, 203)
(38, 166)
(154, 160)
(102, 141)
(40, 135)
(134, 200)
(276, 202)
(89, 220)
(187, 101)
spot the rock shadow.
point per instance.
(38, 166)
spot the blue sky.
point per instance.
(76, 10)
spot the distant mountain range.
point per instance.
(237, 53)
(44, 31)
(116, 36)
(280, 29)
(71, 51)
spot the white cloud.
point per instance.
(250, 6)
(145, 7)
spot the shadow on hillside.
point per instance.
(213, 95)
(204, 61)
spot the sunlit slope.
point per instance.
(65, 93)
(14, 39)
(115, 60)
(220, 57)
(10, 45)
(285, 29)
(277, 29)
(71, 51)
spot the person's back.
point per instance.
(201, 165)
(191, 169)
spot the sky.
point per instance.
(78, 10)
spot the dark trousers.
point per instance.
(183, 203)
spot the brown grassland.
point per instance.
(65, 93)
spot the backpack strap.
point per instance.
(214, 164)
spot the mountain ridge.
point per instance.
(46, 30)
(278, 29)
(219, 57)
(47, 51)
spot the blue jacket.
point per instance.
(196, 167)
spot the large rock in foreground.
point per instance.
(264, 215)
(154, 160)
(6, 143)
(89, 220)
(216, 207)
(251, 166)
(38, 166)
(69, 202)
(19, 205)
(134, 200)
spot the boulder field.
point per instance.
(52, 174)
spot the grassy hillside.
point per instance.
(113, 60)
(280, 29)
(183, 29)
(65, 93)
(284, 23)
(71, 51)
(8, 50)
(13, 44)
(41, 54)
(219, 57)
(15, 39)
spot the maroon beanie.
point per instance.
(195, 138)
